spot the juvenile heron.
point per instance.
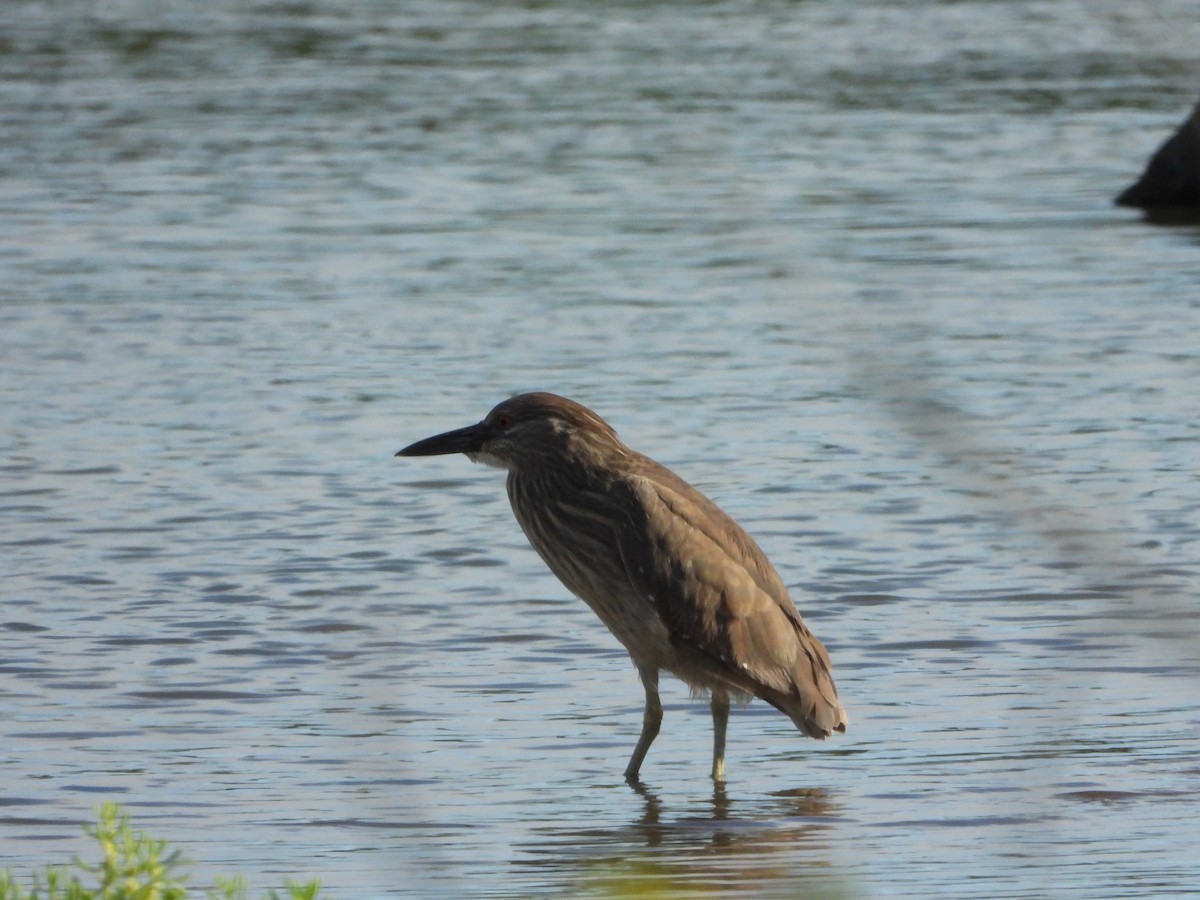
(674, 578)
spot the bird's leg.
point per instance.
(720, 713)
(651, 720)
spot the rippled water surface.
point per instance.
(850, 268)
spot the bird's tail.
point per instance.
(812, 703)
(818, 719)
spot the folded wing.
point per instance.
(727, 611)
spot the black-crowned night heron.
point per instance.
(675, 579)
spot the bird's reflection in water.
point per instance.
(724, 842)
(807, 803)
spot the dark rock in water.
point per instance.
(1172, 177)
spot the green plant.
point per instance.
(133, 866)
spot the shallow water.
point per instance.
(852, 269)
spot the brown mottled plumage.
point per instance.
(674, 578)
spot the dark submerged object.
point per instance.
(1172, 177)
(674, 578)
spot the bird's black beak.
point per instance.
(462, 440)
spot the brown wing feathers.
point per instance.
(717, 592)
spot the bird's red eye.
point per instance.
(504, 422)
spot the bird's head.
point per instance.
(526, 430)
